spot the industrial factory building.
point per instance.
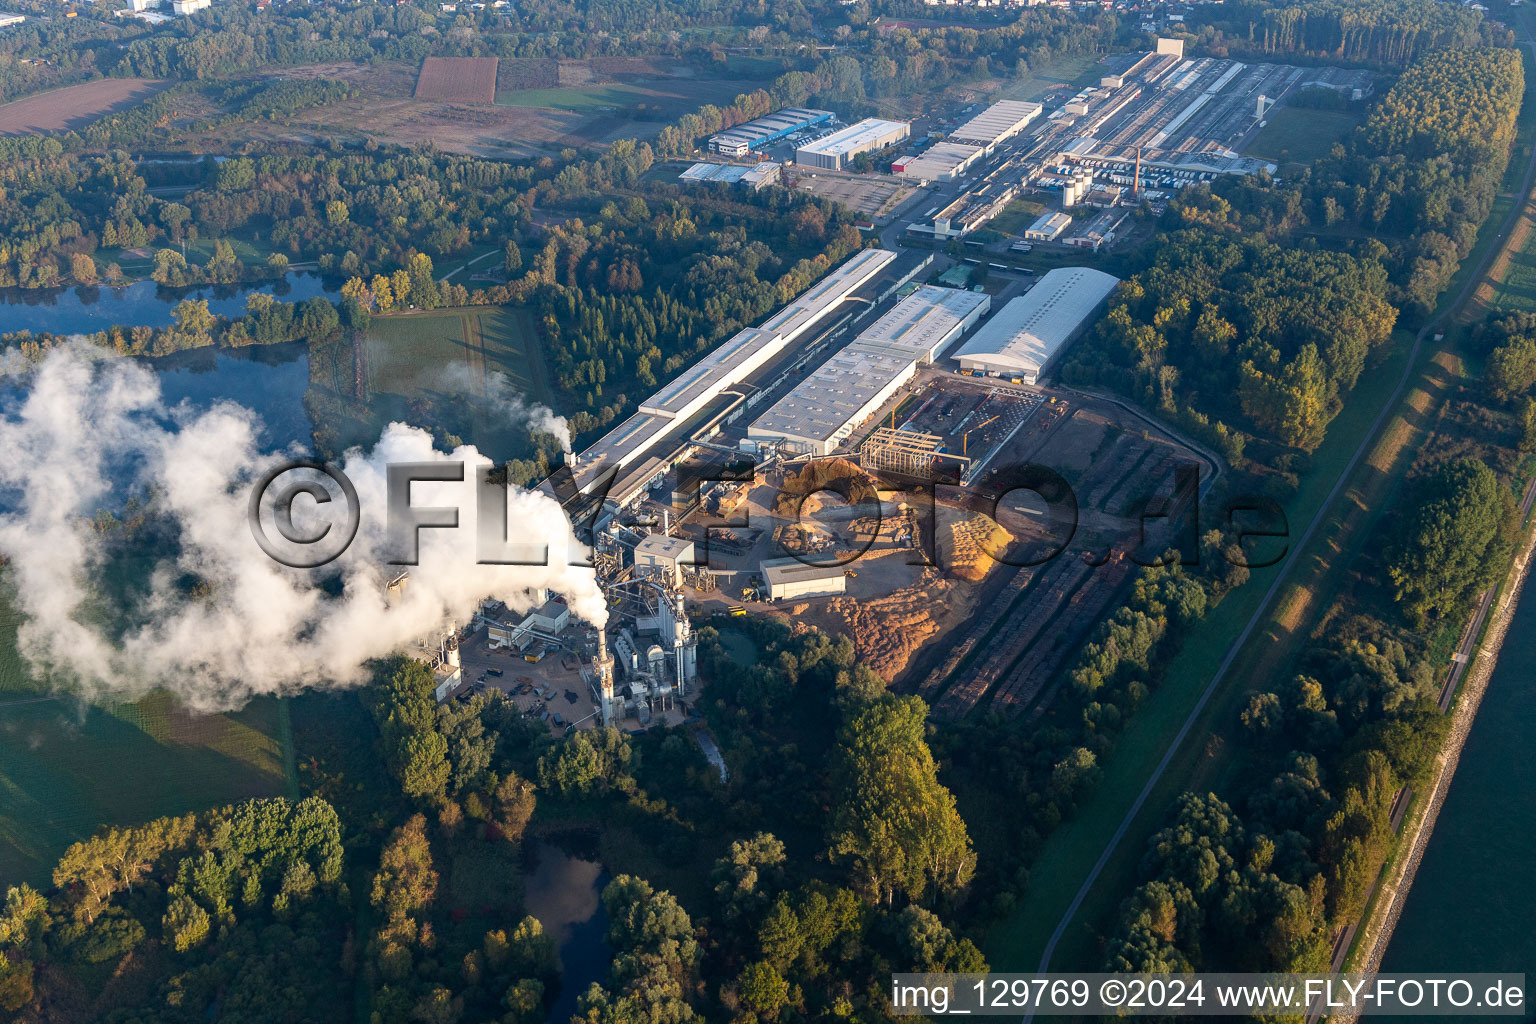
(663, 556)
(754, 176)
(997, 123)
(669, 409)
(942, 161)
(836, 151)
(1027, 334)
(822, 410)
(1048, 227)
(765, 131)
(789, 578)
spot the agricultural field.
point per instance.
(541, 105)
(468, 371)
(457, 80)
(74, 106)
(68, 768)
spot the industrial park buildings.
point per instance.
(1027, 334)
(822, 410)
(765, 131)
(834, 152)
(998, 122)
(626, 449)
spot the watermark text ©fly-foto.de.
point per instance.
(1165, 528)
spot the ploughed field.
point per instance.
(457, 80)
(74, 106)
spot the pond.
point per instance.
(270, 380)
(563, 882)
(141, 304)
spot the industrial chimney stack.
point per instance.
(604, 665)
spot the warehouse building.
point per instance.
(1029, 333)
(942, 161)
(702, 383)
(836, 151)
(1048, 228)
(997, 123)
(789, 578)
(765, 131)
(822, 410)
(754, 176)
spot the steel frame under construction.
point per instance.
(907, 452)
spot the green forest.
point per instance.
(396, 878)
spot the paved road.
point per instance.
(1323, 511)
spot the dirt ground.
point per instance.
(387, 110)
(457, 80)
(74, 106)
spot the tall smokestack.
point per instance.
(604, 665)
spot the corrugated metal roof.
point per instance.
(1031, 329)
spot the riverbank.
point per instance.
(1388, 905)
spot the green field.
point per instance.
(1301, 136)
(1017, 216)
(1073, 71)
(583, 100)
(66, 769)
(455, 369)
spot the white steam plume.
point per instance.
(88, 431)
(502, 399)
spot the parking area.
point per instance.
(551, 690)
(869, 196)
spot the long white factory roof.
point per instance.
(730, 363)
(711, 373)
(917, 328)
(1000, 121)
(805, 310)
(922, 322)
(940, 159)
(1028, 331)
(822, 404)
(853, 138)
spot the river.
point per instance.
(141, 304)
(1473, 900)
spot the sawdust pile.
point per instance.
(838, 474)
(888, 630)
(970, 538)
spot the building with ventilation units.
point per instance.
(663, 556)
(998, 123)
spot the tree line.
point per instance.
(1377, 32)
